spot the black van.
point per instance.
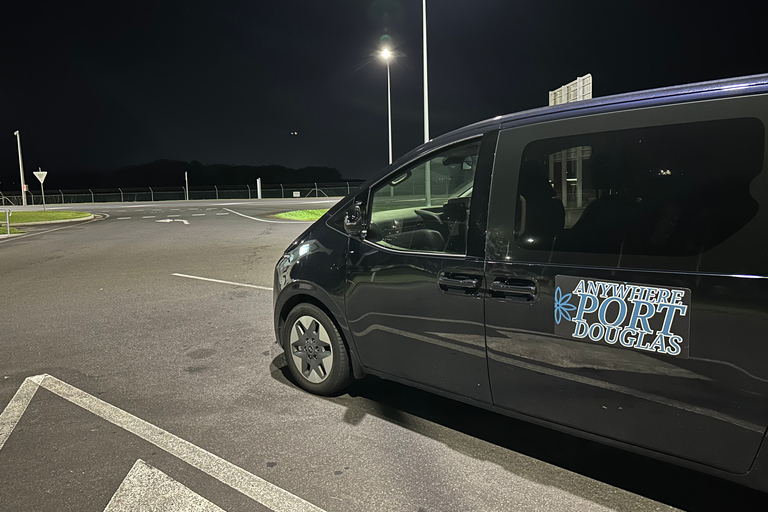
(599, 267)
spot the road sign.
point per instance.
(40, 174)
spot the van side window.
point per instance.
(425, 207)
(671, 191)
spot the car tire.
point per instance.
(316, 353)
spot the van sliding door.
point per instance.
(628, 287)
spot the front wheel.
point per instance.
(316, 354)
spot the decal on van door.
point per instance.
(637, 316)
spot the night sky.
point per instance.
(102, 85)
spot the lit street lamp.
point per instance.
(386, 55)
(21, 169)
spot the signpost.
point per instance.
(8, 214)
(40, 175)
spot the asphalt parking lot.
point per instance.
(139, 370)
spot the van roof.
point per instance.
(702, 90)
(713, 88)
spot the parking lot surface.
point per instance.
(139, 369)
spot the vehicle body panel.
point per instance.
(502, 345)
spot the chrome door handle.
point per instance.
(518, 288)
(465, 283)
(459, 283)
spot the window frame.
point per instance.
(513, 141)
(477, 215)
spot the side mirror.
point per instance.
(354, 223)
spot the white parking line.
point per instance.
(258, 489)
(123, 218)
(149, 216)
(223, 282)
(222, 213)
(265, 220)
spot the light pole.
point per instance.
(386, 55)
(21, 169)
(426, 94)
(427, 167)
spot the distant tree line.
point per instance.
(169, 173)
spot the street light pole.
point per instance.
(428, 166)
(426, 94)
(386, 55)
(21, 169)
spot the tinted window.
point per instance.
(671, 191)
(425, 207)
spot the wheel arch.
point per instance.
(301, 297)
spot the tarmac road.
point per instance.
(154, 322)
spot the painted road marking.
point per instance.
(174, 215)
(146, 488)
(223, 282)
(123, 218)
(265, 220)
(258, 489)
(149, 216)
(186, 222)
(198, 215)
(222, 213)
(16, 407)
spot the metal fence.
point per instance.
(180, 193)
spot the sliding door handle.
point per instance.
(515, 288)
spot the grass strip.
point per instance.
(20, 217)
(306, 215)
